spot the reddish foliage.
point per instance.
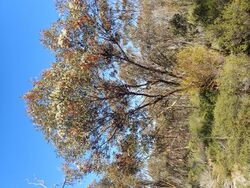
(92, 58)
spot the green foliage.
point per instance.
(208, 99)
(206, 11)
(201, 126)
(231, 132)
(232, 29)
(219, 146)
(179, 24)
(199, 66)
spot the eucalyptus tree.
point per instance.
(82, 104)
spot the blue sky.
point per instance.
(24, 152)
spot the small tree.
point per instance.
(199, 66)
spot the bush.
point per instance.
(230, 152)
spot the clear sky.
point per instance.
(24, 152)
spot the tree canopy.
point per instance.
(138, 90)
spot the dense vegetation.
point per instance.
(148, 93)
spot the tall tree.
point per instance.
(127, 75)
(81, 104)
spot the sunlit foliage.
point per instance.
(147, 93)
